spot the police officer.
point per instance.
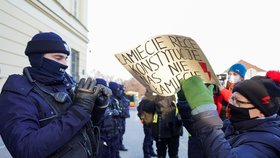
(117, 110)
(124, 103)
(108, 131)
(41, 115)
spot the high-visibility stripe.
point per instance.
(155, 119)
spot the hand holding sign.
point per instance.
(161, 62)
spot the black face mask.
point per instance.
(239, 114)
(48, 71)
(53, 68)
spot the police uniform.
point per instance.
(37, 115)
(109, 131)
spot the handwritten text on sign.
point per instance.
(162, 61)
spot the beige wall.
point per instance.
(21, 19)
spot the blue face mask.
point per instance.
(117, 93)
(48, 71)
(53, 68)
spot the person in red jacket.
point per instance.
(236, 73)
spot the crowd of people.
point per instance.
(45, 113)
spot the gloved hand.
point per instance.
(115, 112)
(102, 101)
(196, 92)
(181, 95)
(182, 104)
(85, 95)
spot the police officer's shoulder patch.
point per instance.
(17, 84)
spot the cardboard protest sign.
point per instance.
(161, 62)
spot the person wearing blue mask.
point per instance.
(44, 112)
(236, 73)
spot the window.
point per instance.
(75, 65)
(75, 8)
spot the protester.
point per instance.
(236, 73)
(194, 147)
(255, 127)
(166, 125)
(41, 112)
(145, 113)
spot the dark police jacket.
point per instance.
(30, 127)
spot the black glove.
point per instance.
(115, 112)
(102, 101)
(181, 95)
(85, 94)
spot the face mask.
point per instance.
(233, 78)
(239, 114)
(117, 93)
(53, 68)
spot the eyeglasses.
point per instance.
(237, 102)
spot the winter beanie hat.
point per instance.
(272, 83)
(114, 86)
(273, 75)
(46, 42)
(149, 106)
(272, 86)
(122, 87)
(238, 68)
(101, 81)
(257, 94)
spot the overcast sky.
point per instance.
(226, 31)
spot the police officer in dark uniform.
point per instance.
(124, 104)
(117, 111)
(42, 112)
(108, 130)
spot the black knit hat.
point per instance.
(257, 94)
(148, 106)
(46, 42)
(101, 81)
(273, 89)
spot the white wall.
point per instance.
(20, 20)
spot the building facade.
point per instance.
(21, 19)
